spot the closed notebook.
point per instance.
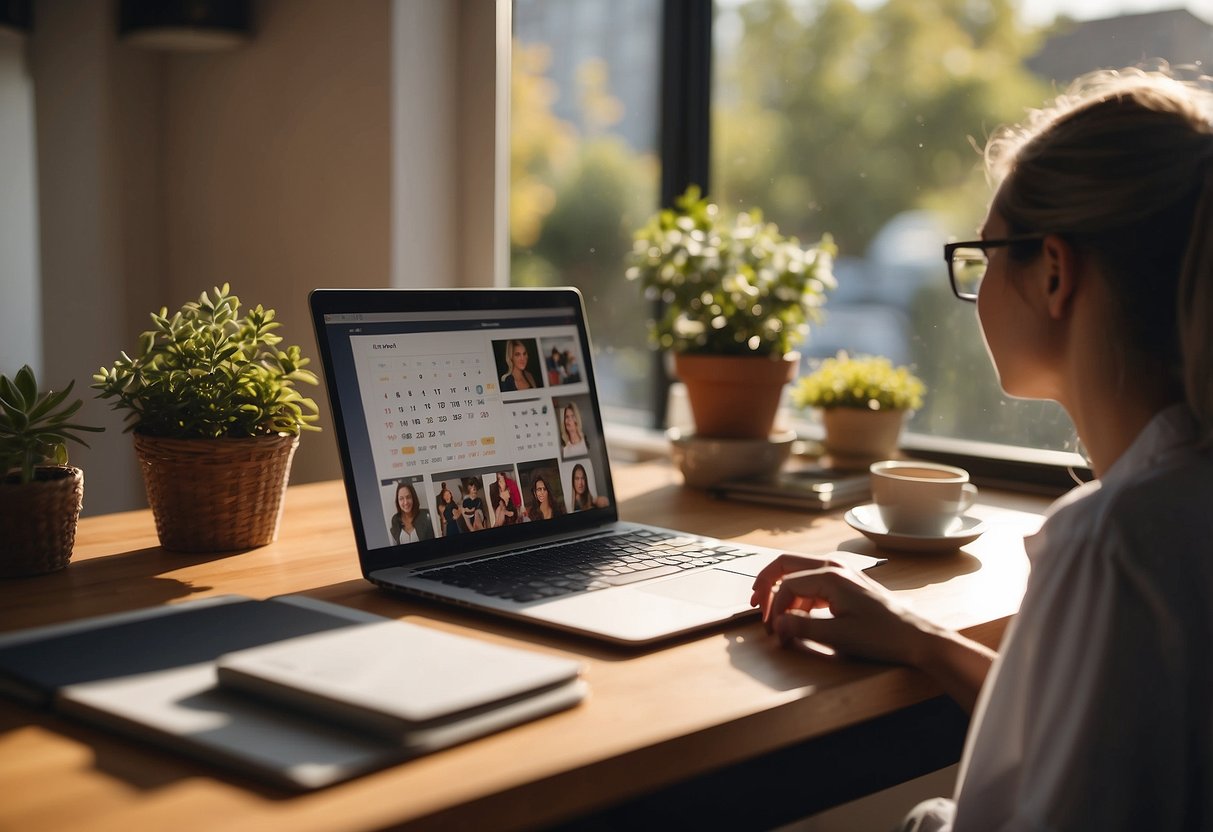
(416, 685)
(152, 674)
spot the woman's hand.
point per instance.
(864, 620)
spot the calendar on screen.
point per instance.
(465, 424)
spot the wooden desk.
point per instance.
(655, 718)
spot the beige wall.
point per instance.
(276, 170)
(331, 150)
(20, 328)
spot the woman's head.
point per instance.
(444, 495)
(1121, 168)
(406, 499)
(516, 355)
(471, 486)
(580, 483)
(570, 424)
(539, 490)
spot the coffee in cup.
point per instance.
(920, 498)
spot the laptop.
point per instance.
(476, 468)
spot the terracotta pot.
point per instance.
(735, 397)
(855, 437)
(38, 521)
(216, 495)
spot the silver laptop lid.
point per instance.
(466, 419)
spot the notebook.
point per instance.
(154, 674)
(475, 466)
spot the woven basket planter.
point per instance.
(216, 495)
(38, 521)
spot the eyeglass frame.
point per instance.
(949, 250)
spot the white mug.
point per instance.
(920, 498)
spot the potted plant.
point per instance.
(40, 494)
(863, 401)
(216, 419)
(737, 296)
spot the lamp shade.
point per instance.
(185, 25)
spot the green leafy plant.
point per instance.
(728, 287)
(34, 426)
(205, 373)
(864, 382)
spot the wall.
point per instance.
(20, 331)
(337, 148)
(96, 122)
(276, 171)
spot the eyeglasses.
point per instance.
(968, 262)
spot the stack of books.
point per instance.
(295, 691)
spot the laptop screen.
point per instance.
(466, 418)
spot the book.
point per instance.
(418, 686)
(153, 674)
(814, 489)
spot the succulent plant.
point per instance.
(34, 426)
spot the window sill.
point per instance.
(1028, 470)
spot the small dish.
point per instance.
(866, 520)
(706, 461)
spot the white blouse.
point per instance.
(1098, 712)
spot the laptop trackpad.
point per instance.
(709, 587)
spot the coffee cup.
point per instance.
(920, 498)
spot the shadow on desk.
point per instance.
(63, 595)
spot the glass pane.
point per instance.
(856, 117)
(584, 171)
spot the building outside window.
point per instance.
(856, 117)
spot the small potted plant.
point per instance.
(216, 419)
(40, 494)
(863, 401)
(737, 297)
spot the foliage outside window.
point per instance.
(861, 119)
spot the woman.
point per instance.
(409, 523)
(449, 514)
(507, 510)
(582, 498)
(517, 376)
(473, 505)
(1094, 287)
(572, 440)
(544, 504)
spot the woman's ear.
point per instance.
(1061, 275)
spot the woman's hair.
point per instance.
(585, 499)
(564, 432)
(404, 486)
(553, 501)
(1121, 166)
(442, 492)
(470, 482)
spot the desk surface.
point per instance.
(653, 717)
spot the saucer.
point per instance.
(706, 461)
(866, 520)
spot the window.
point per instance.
(856, 117)
(584, 170)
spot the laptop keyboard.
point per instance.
(583, 565)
